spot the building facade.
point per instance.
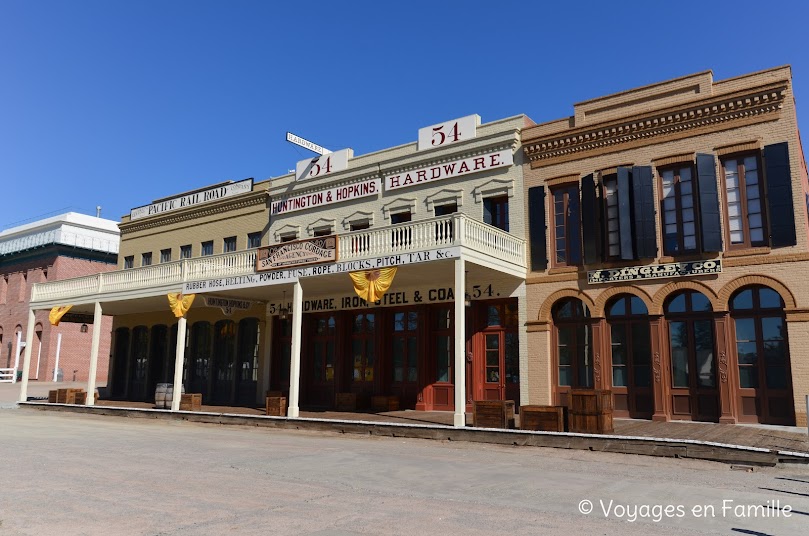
(267, 315)
(62, 247)
(669, 244)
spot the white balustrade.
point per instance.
(440, 232)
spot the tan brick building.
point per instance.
(669, 251)
(62, 247)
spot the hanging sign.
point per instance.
(473, 164)
(306, 144)
(297, 253)
(193, 198)
(338, 194)
(449, 132)
(323, 165)
(655, 271)
(228, 305)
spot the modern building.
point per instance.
(669, 247)
(61, 247)
(276, 307)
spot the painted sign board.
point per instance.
(448, 132)
(323, 165)
(194, 198)
(297, 253)
(654, 271)
(227, 305)
(306, 144)
(456, 168)
(337, 194)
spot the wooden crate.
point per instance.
(191, 402)
(591, 411)
(543, 418)
(52, 396)
(276, 406)
(66, 396)
(274, 393)
(493, 414)
(345, 402)
(385, 403)
(81, 398)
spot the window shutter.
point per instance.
(487, 212)
(625, 213)
(710, 227)
(536, 228)
(779, 195)
(645, 230)
(590, 221)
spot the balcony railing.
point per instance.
(445, 231)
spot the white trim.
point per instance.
(494, 188)
(404, 204)
(357, 217)
(287, 231)
(319, 225)
(444, 197)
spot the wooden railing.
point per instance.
(440, 232)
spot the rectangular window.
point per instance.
(288, 237)
(129, 262)
(400, 217)
(185, 251)
(360, 225)
(229, 244)
(165, 255)
(444, 210)
(678, 210)
(146, 259)
(495, 212)
(325, 231)
(567, 233)
(207, 248)
(744, 200)
(253, 240)
(612, 237)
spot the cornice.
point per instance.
(248, 200)
(717, 113)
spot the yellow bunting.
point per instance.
(370, 285)
(179, 303)
(57, 313)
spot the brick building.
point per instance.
(62, 247)
(669, 249)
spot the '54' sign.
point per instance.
(323, 165)
(447, 133)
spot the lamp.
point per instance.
(467, 298)
(83, 328)
(283, 311)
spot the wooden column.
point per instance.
(460, 344)
(725, 371)
(179, 359)
(26, 362)
(293, 409)
(661, 371)
(96, 341)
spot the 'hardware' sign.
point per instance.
(311, 251)
(654, 271)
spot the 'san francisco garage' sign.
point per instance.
(654, 271)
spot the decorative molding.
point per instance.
(401, 204)
(745, 252)
(716, 113)
(614, 169)
(533, 326)
(444, 197)
(597, 368)
(320, 224)
(754, 145)
(564, 270)
(495, 187)
(769, 259)
(556, 181)
(723, 367)
(358, 216)
(674, 159)
(656, 366)
(287, 231)
(559, 278)
(797, 315)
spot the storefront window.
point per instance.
(573, 344)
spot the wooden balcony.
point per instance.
(475, 238)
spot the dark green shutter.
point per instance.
(536, 228)
(710, 227)
(779, 195)
(625, 213)
(644, 217)
(590, 221)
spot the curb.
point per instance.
(645, 446)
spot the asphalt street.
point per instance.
(85, 474)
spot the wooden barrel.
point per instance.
(160, 395)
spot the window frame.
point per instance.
(207, 245)
(497, 207)
(743, 200)
(603, 180)
(165, 255)
(129, 262)
(184, 249)
(678, 202)
(568, 222)
(144, 257)
(251, 240)
(229, 244)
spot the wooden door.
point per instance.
(404, 378)
(320, 360)
(694, 390)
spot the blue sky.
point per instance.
(117, 103)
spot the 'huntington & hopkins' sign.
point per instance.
(654, 271)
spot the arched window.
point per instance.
(573, 344)
(631, 356)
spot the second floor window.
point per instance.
(443, 210)
(207, 248)
(678, 210)
(146, 259)
(165, 255)
(229, 244)
(400, 217)
(253, 240)
(745, 207)
(495, 212)
(612, 237)
(288, 237)
(129, 262)
(185, 251)
(325, 231)
(567, 235)
(360, 225)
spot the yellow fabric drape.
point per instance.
(179, 303)
(57, 313)
(370, 285)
